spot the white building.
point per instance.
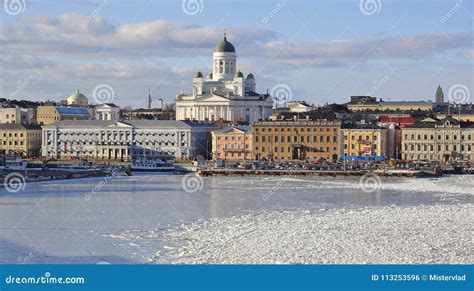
(16, 115)
(225, 93)
(107, 111)
(299, 106)
(116, 140)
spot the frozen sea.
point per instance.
(182, 219)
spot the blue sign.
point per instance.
(236, 277)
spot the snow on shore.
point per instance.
(456, 184)
(389, 235)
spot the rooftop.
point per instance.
(72, 110)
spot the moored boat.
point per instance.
(146, 165)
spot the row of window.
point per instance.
(290, 138)
(16, 134)
(362, 137)
(432, 157)
(431, 147)
(232, 146)
(439, 137)
(232, 138)
(288, 129)
(289, 149)
(21, 142)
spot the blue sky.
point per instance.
(325, 51)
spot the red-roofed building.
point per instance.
(400, 121)
(394, 124)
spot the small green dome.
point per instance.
(250, 76)
(209, 76)
(198, 74)
(239, 74)
(225, 46)
(77, 99)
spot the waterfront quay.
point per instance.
(320, 173)
(62, 173)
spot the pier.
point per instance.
(322, 173)
(39, 174)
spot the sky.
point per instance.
(318, 51)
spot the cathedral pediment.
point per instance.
(212, 98)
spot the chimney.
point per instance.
(160, 104)
(149, 99)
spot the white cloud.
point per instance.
(72, 51)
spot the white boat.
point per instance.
(13, 163)
(145, 165)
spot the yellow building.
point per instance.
(23, 140)
(365, 140)
(51, 114)
(296, 140)
(445, 140)
(368, 103)
(232, 143)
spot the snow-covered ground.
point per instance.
(237, 219)
(387, 235)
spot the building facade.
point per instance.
(365, 140)
(51, 114)
(444, 140)
(368, 103)
(232, 143)
(16, 115)
(296, 140)
(225, 93)
(115, 140)
(20, 139)
(107, 111)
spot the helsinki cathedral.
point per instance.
(225, 93)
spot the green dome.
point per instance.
(250, 76)
(225, 47)
(209, 76)
(77, 99)
(198, 74)
(239, 74)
